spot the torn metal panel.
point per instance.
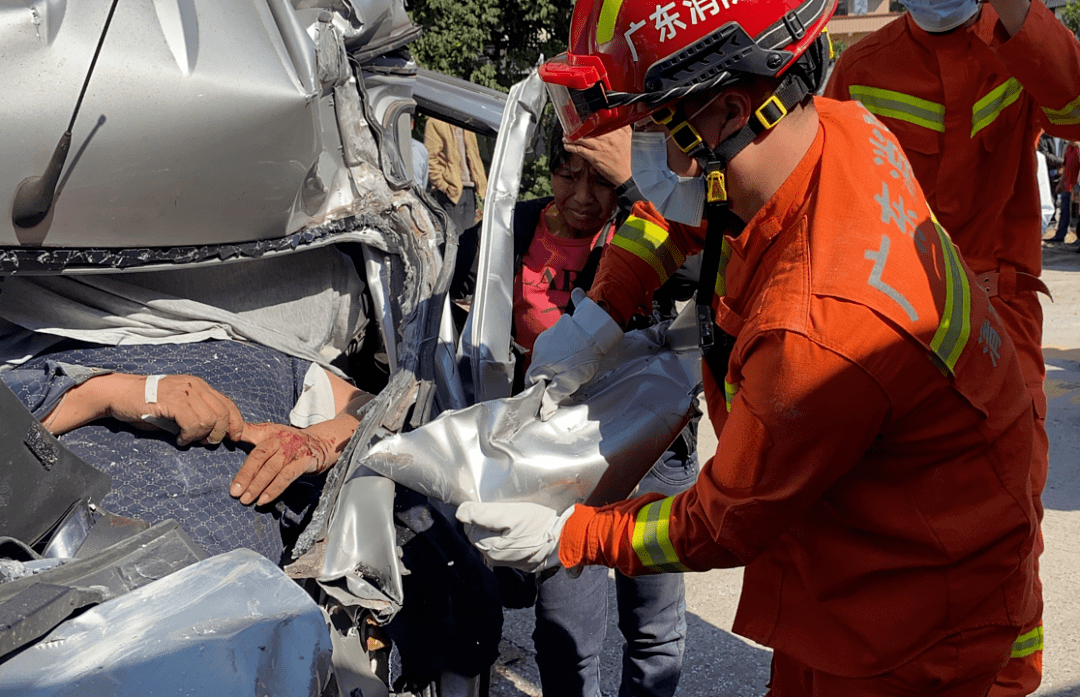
(352, 663)
(37, 609)
(232, 624)
(357, 145)
(448, 378)
(132, 563)
(365, 228)
(485, 343)
(356, 506)
(413, 237)
(355, 513)
(40, 479)
(377, 273)
(459, 102)
(331, 60)
(382, 26)
(386, 88)
(597, 448)
(361, 551)
(33, 604)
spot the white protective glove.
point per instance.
(568, 354)
(521, 535)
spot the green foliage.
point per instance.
(535, 179)
(455, 33)
(1070, 16)
(491, 42)
(494, 43)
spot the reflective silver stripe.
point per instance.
(1028, 643)
(955, 326)
(651, 541)
(990, 107)
(898, 105)
(1069, 115)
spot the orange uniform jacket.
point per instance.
(874, 430)
(968, 107)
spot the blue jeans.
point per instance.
(572, 617)
(1064, 216)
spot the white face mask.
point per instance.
(679, 199)
(937, 16)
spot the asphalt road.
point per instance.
(721, 663)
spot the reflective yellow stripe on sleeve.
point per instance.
(901, 106)
(1028, 643)
(650, 243)
(990, 107)
(729, 394)
(1069, 115)
(955, 326)
(651, 541)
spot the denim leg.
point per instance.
(1064, 216)
(652, 609)
(652, 619)
(571, 621)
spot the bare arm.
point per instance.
(200, 411)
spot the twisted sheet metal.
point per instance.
(595, 448)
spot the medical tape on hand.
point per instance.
(150, 390)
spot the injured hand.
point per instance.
(284, 453)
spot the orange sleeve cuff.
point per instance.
(603, 535)
(1045, 58)
(572, 543)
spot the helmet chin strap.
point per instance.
(716, 345)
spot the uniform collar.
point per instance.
(780, 211)
(983, 29)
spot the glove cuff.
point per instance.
(574, 537)
(605, 332)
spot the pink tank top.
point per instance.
(542, 286)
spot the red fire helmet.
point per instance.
(629, 58)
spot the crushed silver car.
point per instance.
(215, 143)
(225, 190)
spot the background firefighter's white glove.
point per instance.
(568, 354)
(522, 535)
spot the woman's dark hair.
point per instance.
(557, 154)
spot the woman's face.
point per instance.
(584, 199)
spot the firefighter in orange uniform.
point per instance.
(967, 89)
(875, 433)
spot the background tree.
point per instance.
(1070, 16)
(490, 42)
(494, 43)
